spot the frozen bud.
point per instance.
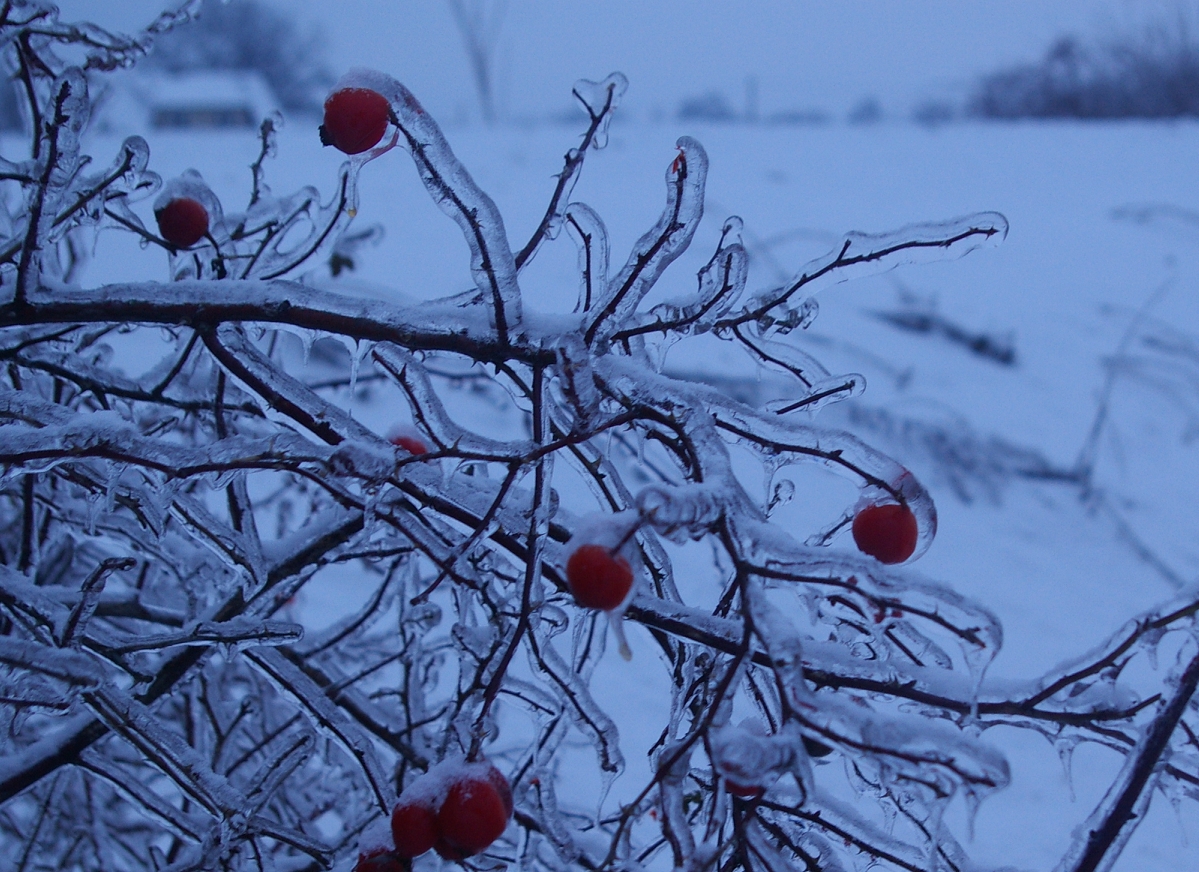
(747, 758)
(680, 512)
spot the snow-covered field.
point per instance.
(1097, 278)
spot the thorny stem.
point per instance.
(534, 544)
(1138, 769)
(645, 258)
(574, 162)
(33, 232)
(841, 261)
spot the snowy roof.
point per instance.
(211, 88)
(141, 100)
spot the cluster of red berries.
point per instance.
(456, 809)
(355, 120)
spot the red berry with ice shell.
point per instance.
(182, 222)
(474, 813)
(598, 578)
(413, 826)
(888, 532)
(355, 119)
(744, 791)
(380, 860)
(409, 443)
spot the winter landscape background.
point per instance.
(1091, 301)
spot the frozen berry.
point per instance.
(355, 119)
(409, 443)
(815, 748)
(886, 532)
(743, 790)
(182, 222)
(597, 578)
(381, 860)
(413, 826)
(474, 813)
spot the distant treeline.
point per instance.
(1152, 74)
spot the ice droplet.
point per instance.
(784, 491)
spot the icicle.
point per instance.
(94, 507)
(616, 622)
(111, 483)
(361, 349)
(1065, 747)
(307, 340)
(935, 836)
(973, 803)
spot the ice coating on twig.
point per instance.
(746, 756)
(862, 254)
(599, 100)
(720, 282)
(455, 192)
(660, 245)
(587, 229)
(575, 700)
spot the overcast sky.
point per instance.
(804, 54)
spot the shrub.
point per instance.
(167, 704)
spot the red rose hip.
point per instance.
(182, 222)
(414, 827)
(474, 813)
(886, 532)
(410, 444)
(355, 119)
(597, 578)
(379, 861)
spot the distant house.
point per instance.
(211, 100)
